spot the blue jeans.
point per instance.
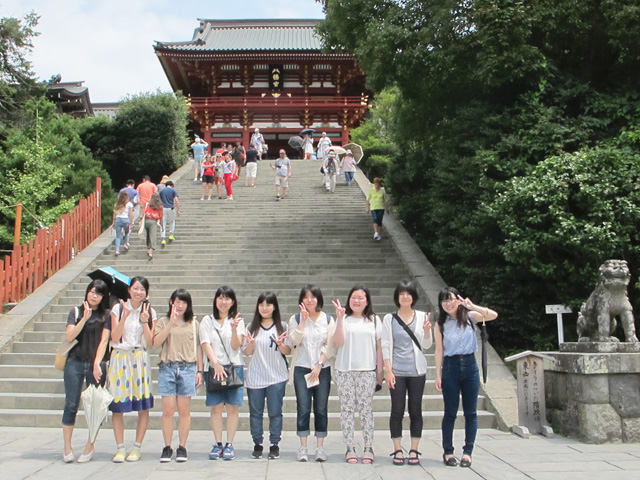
(460, 375)
(274, 394)
(320, 396)
(348, 176)
(122, 230)
(75, 374)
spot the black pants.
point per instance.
(414, 388)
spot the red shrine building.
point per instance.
(239, 75)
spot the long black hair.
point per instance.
(102, 288)
(271, 299)
(368, 312)
(182, 294)
(462, 315)
(142, 281)
(227, 292)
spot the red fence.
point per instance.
(30, 265)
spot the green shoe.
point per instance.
(171, 238)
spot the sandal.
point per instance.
(414, 460)
(397, 459)
(367, 457)
(351, 456)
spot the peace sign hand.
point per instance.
(339, 309)
(281, 338)
(304, 313)
(236, 320)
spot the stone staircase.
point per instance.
(253, 244)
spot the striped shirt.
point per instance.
(267, 366)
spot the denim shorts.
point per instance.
(232, 396)
(177, 379)
(377, 216)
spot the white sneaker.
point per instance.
(376, 236)
(321, 455)
(303, 454)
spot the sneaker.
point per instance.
(257, 451)
(229, 452)
(376, 236)
(167, 453)
(119, 457)
(277, 197)
(163, 242)
(321, 455)
(274, 452)
(171, 238)
(215, 452)
(181, 454)
(202, 198)
(134, 455)
(302, 454)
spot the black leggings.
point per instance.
(414, 387)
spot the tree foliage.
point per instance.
(47, 169)
(17, 83)
(147, 137)
(516, 126)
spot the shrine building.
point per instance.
(239, 75)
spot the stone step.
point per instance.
(55, 401)
(252, 244)
(200, 420)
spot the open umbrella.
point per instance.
(307, 131)
(117, 282)
(484, 336)
(96, 401)
(338, 150)
(295, 142)
(356, 151)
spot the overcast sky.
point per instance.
(108, 44)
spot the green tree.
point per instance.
(492, 95)
(17, 83)
(147, 137)
(47, 169)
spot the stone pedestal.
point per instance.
(593, 391)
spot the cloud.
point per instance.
(109, 45)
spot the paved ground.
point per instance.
(35, 453)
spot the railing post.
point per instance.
(18, 225)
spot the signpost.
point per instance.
(558, 310)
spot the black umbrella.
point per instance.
(117, 282)
(307, 131)
(484, 336)
(295, 142)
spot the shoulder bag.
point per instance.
(232, 380)
(64, 348)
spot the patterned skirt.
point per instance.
(129, 380)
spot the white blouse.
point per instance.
(359, 350)
(209, 328)
(132, 336)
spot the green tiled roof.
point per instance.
(246, 35)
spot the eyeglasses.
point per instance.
(448, 302)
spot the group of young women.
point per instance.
(356, 341)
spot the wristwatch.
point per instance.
(320, 363)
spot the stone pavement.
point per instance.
(36, 453)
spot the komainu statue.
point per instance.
(597, 317)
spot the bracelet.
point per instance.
(201, 372)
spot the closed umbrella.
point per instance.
(96, 401)
(484, 336)
(356, 151)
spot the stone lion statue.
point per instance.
(597, 317)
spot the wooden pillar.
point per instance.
(18, 225)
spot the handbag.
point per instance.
(232, 380)
(64, 348)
